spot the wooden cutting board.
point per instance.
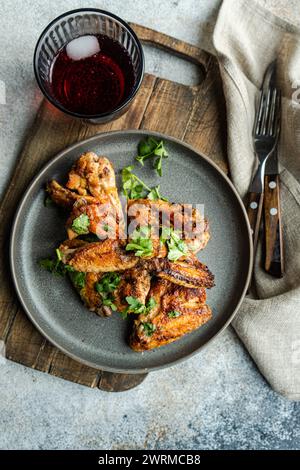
(195, 114)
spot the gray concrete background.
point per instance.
(216, 400)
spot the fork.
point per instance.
(265, 137)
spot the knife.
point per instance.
(274, 256)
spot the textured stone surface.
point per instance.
(217, 399)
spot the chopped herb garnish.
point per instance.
(135, 188)
(134, 305)
(141, 242)
(78, 279)
(137, 307)
(155, 194)
(149, 328)
(106, 228)
(58, 254)
(176, 246)
(150, 304)
(55, 265)
(81, 224)
(108, 283)
(149, 148)
(108, 302)
(174, 314)
(106, 286)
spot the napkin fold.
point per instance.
(246, 39)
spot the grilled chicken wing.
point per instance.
(178, 311)
(188, 273)
(181, 217)
(100, 257)
(94, 176)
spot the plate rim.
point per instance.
(59, 156)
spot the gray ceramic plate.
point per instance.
(54, 307)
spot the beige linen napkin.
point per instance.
(247, 38)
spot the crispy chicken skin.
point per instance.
(94, 176)
(159, 327)
(90, 297)
(64, 197)
(91, 175)
(100, 257)
(189, 272)
(135, 282)
(182, 217)
(104, 220)
(91, 189)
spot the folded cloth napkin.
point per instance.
(246, 39)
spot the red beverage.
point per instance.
(92, 75)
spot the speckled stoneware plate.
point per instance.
(55, 308)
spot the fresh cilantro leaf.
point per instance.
(54, 265)
(134, 305)
(150, 305)
(133, 186)
(174, 314)
(106, 228)
(48, 264)
(109, 303)
(108, 283)
(81, 224)
(176, 246)
(137, 307)
(146, 148)
(106, 286)
(149, 328)
(154, 194)
(78, 279)
(150, 147)
(141, 242)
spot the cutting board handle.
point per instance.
(180, 48)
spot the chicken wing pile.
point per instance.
(139, 260)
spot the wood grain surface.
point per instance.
(195, 114)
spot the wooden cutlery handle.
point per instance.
(254, 212)
(274, 262)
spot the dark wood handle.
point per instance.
(178, 47)
(254, 210)
(274, 262)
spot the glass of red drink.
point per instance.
(90, 64)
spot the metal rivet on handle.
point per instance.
(272, 184)
(273, 211)
(253, 205)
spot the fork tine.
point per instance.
(257, 124)
(278, 113)
(266, 114)
(271, 122)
